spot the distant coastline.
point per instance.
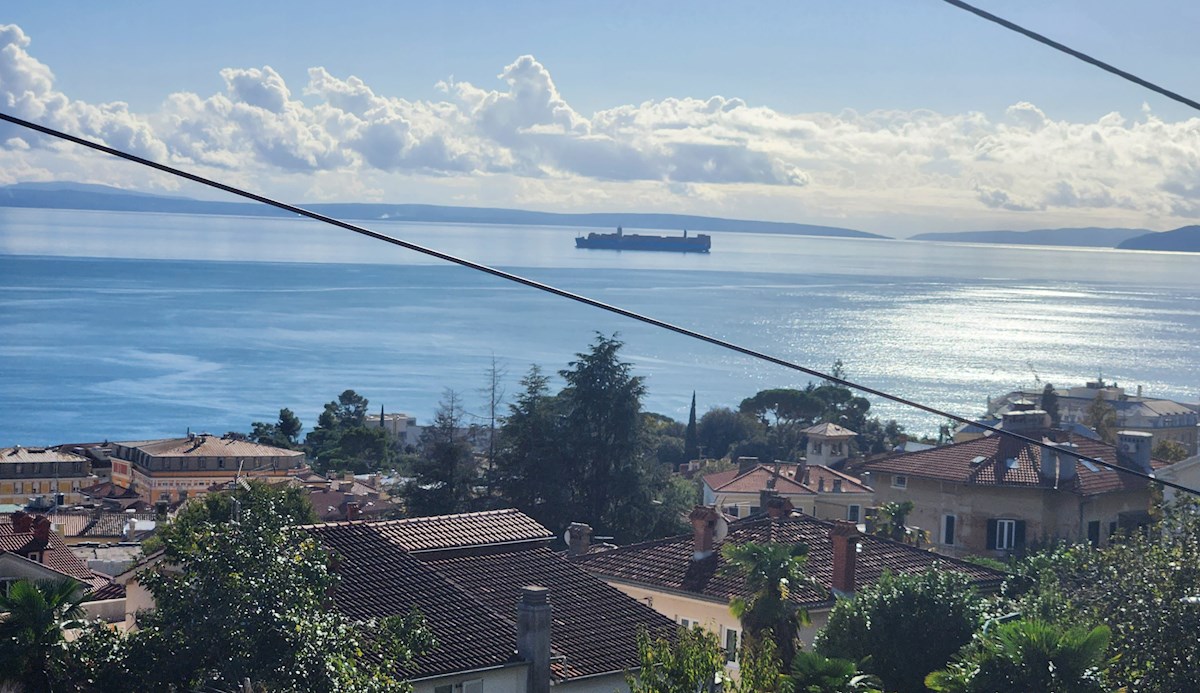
(102, 198)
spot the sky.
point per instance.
(886, 116)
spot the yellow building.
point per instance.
(176, 468)
(43, 477)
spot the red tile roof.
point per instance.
(464, 573)
(755, 480)
(978, 462)
(57, 555)
(204, 445)
(667, 563)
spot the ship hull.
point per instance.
(672, 244)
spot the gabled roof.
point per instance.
(56, 555)
(829, 430)
(786, 483)
(464, 573)
(979, 462)
(667, 563)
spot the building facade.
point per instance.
(42, 477)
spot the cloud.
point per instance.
(716, 151)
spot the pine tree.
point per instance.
(691, 442)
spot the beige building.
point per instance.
(1164, 419)
(683, 577)
(176, 468)
(995, 495)
(42, 477)
(813, 489)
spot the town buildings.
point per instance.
(42, 477)
(683, 577)
(996, 495)
(1163, 419)
(172, 469)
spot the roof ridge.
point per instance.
(414, 520)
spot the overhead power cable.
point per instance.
(1074, 53)
(562, 293)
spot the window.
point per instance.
(949, 523)
(835, 448)
(472, 686)
(732, 510)
(899, 481)
(1006, 535)
(1094, 533)
(1112, 529)
(853, 512)
(731, 645)
(816, 448)
(687, 623)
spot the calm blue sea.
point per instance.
(125, 326)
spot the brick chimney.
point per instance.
(1030, 424)
(533, 636)
(845, 537)
(22, 522)
(579, 538)
(704, 530)
(41, 528)
(779, 508)
(746, 464)
(352, 510)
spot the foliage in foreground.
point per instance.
(1028, 655)
(32, 647)
(904, 626)
(770, 571)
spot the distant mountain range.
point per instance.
(1186, 239)
(100, 197)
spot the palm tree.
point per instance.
(813, 673)
(31, 630)
(1029, 656)
(892, 517)
(771, 571)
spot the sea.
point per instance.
(129, 326)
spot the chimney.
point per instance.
(352, 510)
(22, 522)
(579, 538)
(1135, 447)
(41, 528)
(746, 464)
(533, 636)
(845, 537)
(779, 508)
(1029, 423)
(704, 530)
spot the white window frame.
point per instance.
(731, 655)
(899, 481)
(947, 519)
(1006, 535)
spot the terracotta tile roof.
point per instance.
(667, 563)
(443, 532)
(579, 602)
(208, 446)
(829, 430)
(978, 462)
(57, 555)
(110, 524)
(19, 453)
(465, 577)
(379, 578)
(755, 480)
(72, 524)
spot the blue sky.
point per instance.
(894, 117)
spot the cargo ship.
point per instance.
(700, 243)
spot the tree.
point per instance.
(721, 428)
(903, 627)
(687, 665)
(249, 598)
(342, 440)
(445, 471)
(1169, 451)
(602, 429)
(530, 473)
(493, 390)
(32, 648)
(892, 518)
(813, 673)
(284, 433)
(770, 571)
(291, 503)
(1101, 417)
(691, 440)
(1028, 655)
(1049, 404)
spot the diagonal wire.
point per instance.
(562, 293)
(1012, 26)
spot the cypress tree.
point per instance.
(691, 442)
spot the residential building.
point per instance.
(1164, 419)
(684, 577)
(813, 489)
(401, 428)
(173, 469)
(31, 550)
(994, 495)
(509, 614)
(42, 477)
(1184, 472)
